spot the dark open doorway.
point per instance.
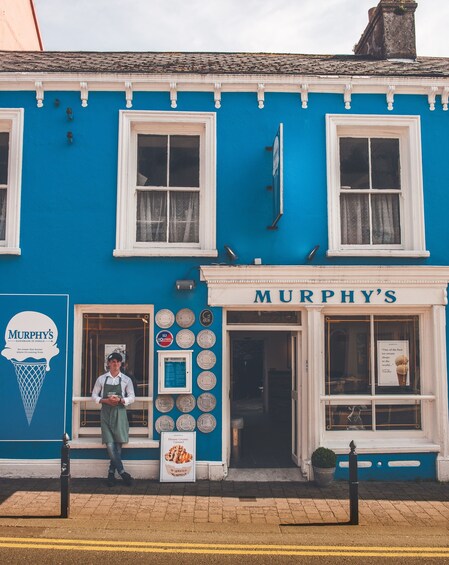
(261, 395)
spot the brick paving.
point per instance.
(226, 502)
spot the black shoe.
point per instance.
(127, 479)
(111, 479)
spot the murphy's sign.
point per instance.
(325, 296)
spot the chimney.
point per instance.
(390, 33)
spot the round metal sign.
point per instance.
(164, 338)
(206, 318)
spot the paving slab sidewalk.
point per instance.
(225, 502)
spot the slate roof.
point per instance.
(153, 63)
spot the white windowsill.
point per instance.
(95, 443)
(10, 251)
(377, 253)
(165, 252)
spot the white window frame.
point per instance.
(131, 123)
(184, 355)
(378, 440)
(91, 437)
(408, 130)
(11, 121)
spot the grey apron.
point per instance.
(114, 420)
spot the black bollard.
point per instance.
(65, 476)
(353, 487)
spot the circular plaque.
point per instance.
(185, 402)
(164, 424)
(206, 423)
(164, 338)
(206, 380)
(206, 402)
(185, 338)
(185, 318)
(206, 318)
(165, 318)
(185, 423)
(206, 359)
(165, 403)
(206, 339)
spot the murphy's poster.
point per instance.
(33, 366)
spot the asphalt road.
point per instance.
(342, 544)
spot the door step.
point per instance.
(266, 475)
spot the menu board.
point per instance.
(175, 371)
(393, 363)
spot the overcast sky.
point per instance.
(289, 26)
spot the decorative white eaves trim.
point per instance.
(407, 276)
(303, 85)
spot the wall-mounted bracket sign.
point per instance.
(174, 372)
(278, 177)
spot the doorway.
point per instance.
(261, 398)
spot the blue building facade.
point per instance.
(262, 237)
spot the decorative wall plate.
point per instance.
(206, 339)
(206, 423)
(206, 380)
(185, 338)
(165, 403)
(165, 318)
(185, 402)
(206, 318)
(206, 359)
(206, 402)
(185, 423)
(164, 424)
(185, 318)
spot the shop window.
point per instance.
(375, 358)
(125, 330)
(11, 127)
(166, 186)
(375, 200)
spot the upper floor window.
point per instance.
(375, 201)
(166, 184)
(11, 127)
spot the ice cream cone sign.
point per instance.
(401, 362)
(30, 344)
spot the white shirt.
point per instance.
(126, 384)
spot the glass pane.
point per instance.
(398, 416)
(4, 149)
(2, 214)
(386, 219)
(354, 162)
(151, 160)
(342, 417)
(385, 168)
(347, 355)
(397, 355)
(126, 333)
(263, 317)
(184, 217)
(354, 210)
(151, 216)
(185, 160)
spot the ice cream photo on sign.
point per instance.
(30, 344)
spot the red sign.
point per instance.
(164, 338)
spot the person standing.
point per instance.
(114, 391)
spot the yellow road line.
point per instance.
(221, 549)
